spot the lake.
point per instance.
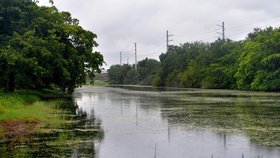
(145, 122)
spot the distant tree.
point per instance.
(126, 74)
(222, 65)
(131, 77)
(147, 70)
(252, 64)
(120, 74)
(115, 74)
(175, 61)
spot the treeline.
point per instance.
(42, 47)
(126, 74)
(251, 64)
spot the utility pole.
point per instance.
(223, 30)
(167, 40)
(120, 58)
(155, 155)
(135, 56)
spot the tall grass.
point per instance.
(27, 105)
(15, 100)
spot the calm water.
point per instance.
(183, 123)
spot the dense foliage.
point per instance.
(42, 47)
(126, 74)
(252, 64)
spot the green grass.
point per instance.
(55, 113)
(15, 100)
(101, 83)
(27, 105)
(39, 110)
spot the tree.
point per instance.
(259, 64)
(175, 61)
(252, 64)
(41, 46)
(122, 74)
(147, 70)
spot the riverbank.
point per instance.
(42, 123)
(23, 112)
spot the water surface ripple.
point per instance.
(183, 123)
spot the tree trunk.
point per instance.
(10, 86)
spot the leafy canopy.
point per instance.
(42, 47)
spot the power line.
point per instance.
(228, 28)
(154, 52)
(155, 48)
(124, 57)
(222, 32)
(248, 30)
(250, 24)
(199, 34)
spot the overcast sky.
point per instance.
(120, 23)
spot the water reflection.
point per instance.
(181, 124)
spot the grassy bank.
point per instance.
(101, 83)
(29, 106)
(44, 124)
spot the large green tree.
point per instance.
(41, 47)
(259, 64)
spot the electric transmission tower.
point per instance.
(223, 30)
(168, 40)
(135, 45)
